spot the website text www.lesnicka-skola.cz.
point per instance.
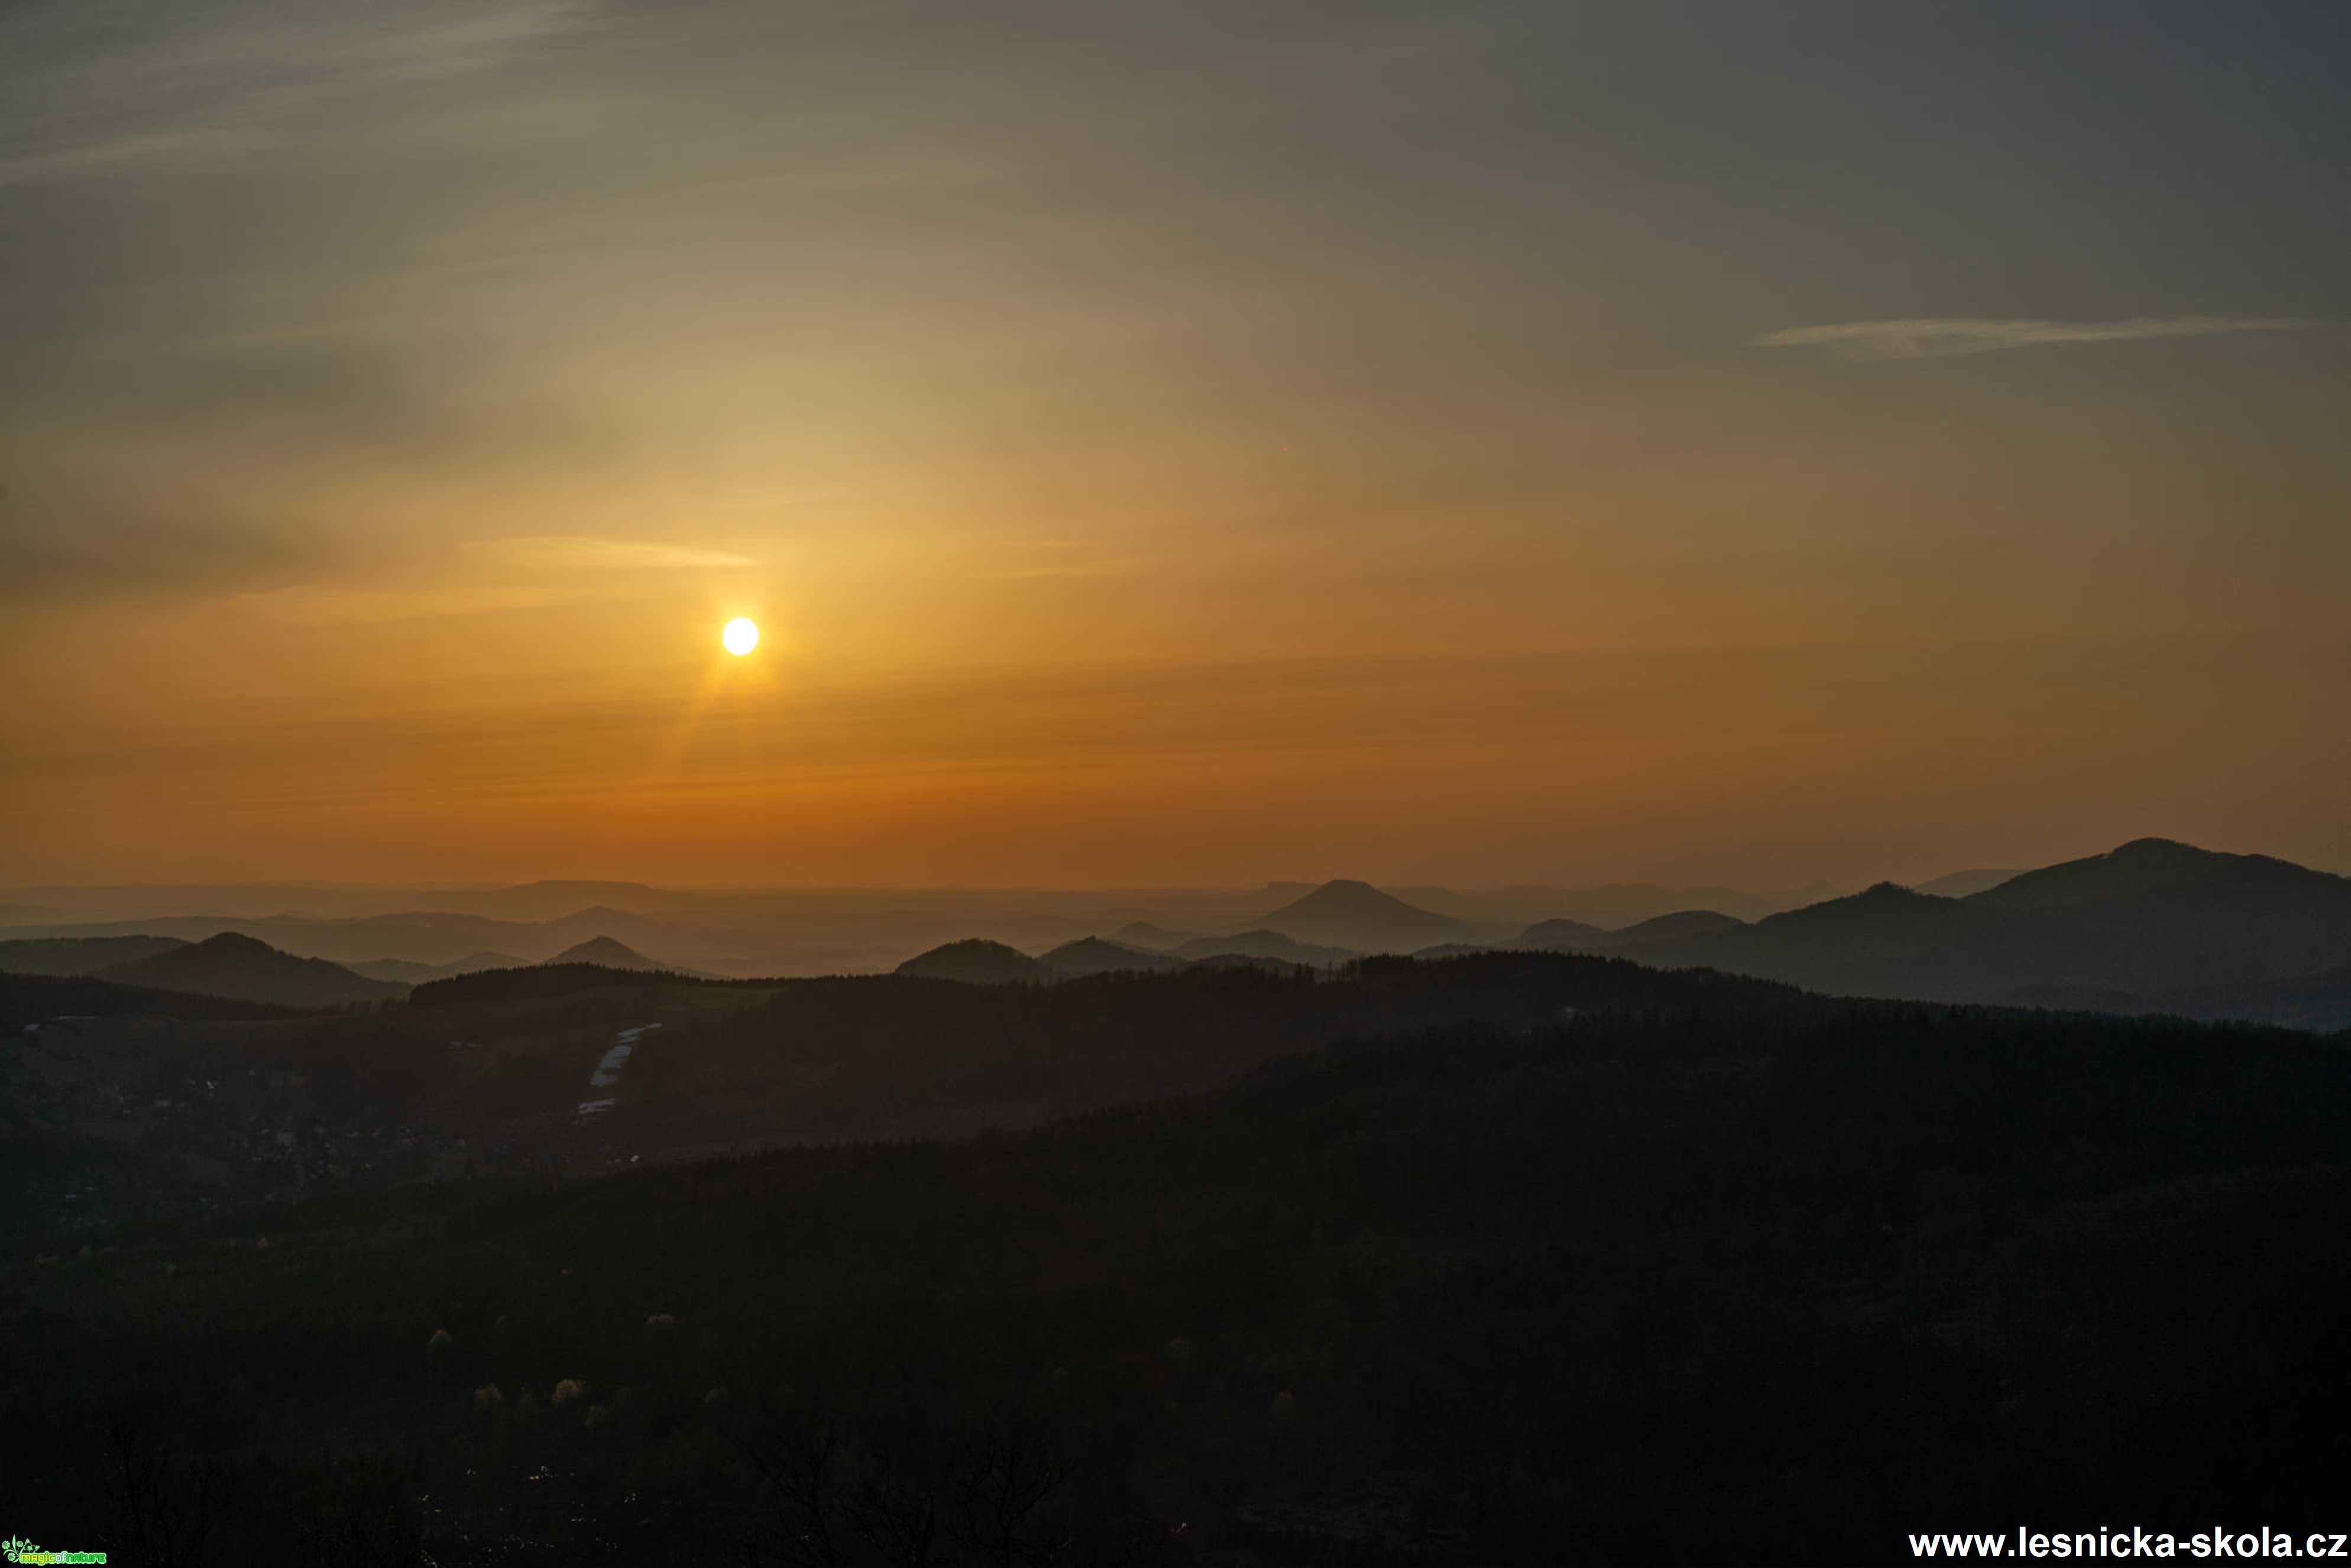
(2217, 1542)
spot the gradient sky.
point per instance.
(1170, 443)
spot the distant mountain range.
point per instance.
(418, 934)
(606, 953)
(1273, 944)
(2153, 926)
(1628, 941)
(437, 939)
(1094, 955)
(1263, 943)
(230, 964)
(409, 973)
(1151, 938)
(993, 963)
(1359, 917)
(234, 966)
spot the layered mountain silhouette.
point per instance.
(552, 899)
(1687, 924)
(434, 937)
(1961, 883)
(1360, 917)
(1567, 937)
(607, 953)
(1628, 941)
(1273, 944)
(409, 973)
(79, 955)
(1094, 955)
(2153, 926)
(1155, 939)
(231, 964)
(978, 962)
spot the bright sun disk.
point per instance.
(740, 636)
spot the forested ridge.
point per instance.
(1697, 1275)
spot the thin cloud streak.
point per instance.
(579, 552)
(1934, 338)
(222, 91)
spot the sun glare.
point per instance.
(740, 636)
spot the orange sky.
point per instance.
(1158, 450)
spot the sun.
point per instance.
(741, 635)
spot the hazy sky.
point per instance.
(1170, 444)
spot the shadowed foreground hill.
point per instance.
(36, 998)
(850, 1054)
(1704, 1283)
(230, 964)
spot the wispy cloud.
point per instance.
(458, 42)
(219, 90)
(580, 552)
(553, 568)
(1934, 338)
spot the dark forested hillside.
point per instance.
(231, 964)
(32, 999)
(1704, 1272)
(850, 1053)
